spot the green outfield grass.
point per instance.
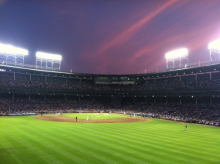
(28, 140)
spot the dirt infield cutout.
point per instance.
(67, 119)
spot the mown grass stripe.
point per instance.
(91, 145)
(156, 141)
(20, 144)
(54, 141)
(52, 148)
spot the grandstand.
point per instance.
(190, 94)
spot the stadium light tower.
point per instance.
(176, 58)
(12, 55)
(48, 61)
(214, 49)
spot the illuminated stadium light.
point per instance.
(44, 55)
(48, 61)
(214, 49)
(214, 45)
(6, 48)
(177, 53)
(21, 51)
(177, 58)
(9, 49)
(12, 55)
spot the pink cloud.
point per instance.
(129, 32)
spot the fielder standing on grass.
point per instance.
(185, 127)
(76, 118)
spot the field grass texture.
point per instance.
(24, 139)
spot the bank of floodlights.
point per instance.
(48, 61)
(11, 55)
(214, 49)
(177, 59)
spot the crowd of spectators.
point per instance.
(190, 82)
(190, 112)
(201, 113)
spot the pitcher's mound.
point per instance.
(67, 119)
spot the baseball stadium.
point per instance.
(50, 116)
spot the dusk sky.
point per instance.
(111, 36)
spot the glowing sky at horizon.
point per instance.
(111, 36)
